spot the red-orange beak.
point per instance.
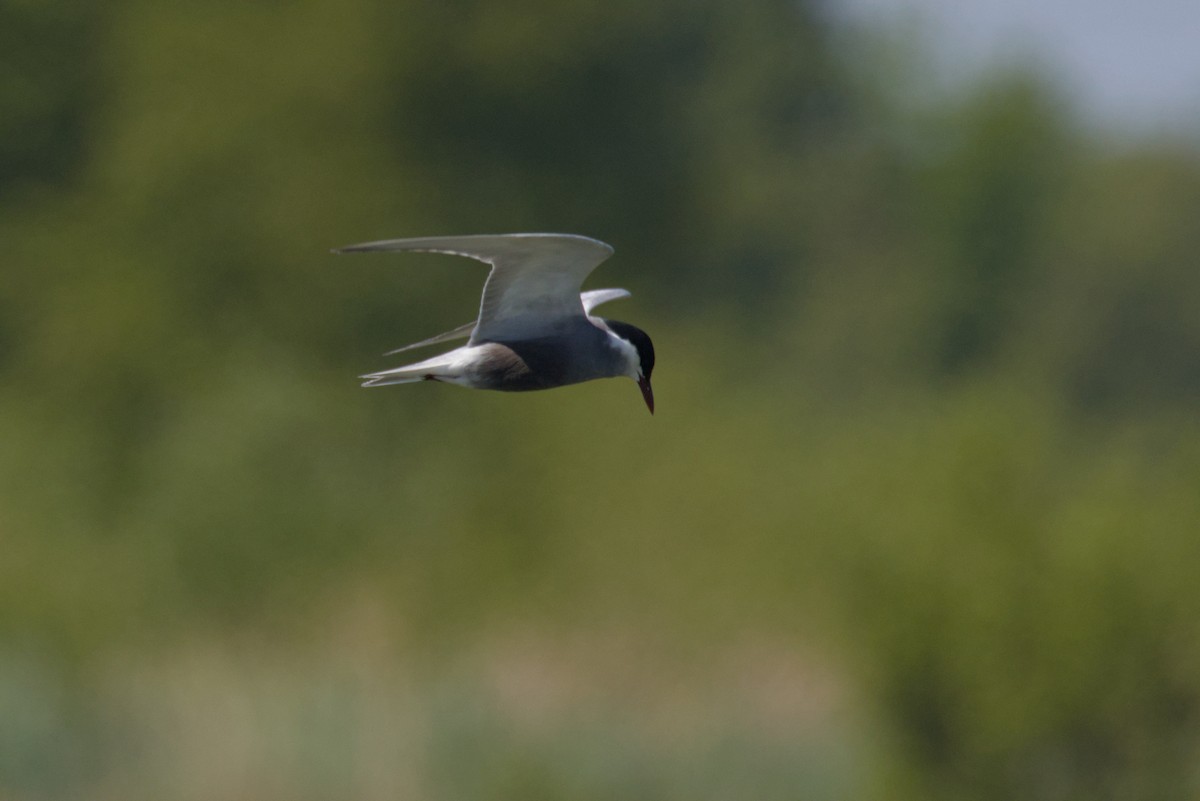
(647, 393)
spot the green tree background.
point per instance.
(917, 517)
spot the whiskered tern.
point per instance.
(535, 328)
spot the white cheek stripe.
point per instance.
(633, 362)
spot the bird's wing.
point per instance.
(594, 297)
(462, 332)
(591, 299)
(534, 284)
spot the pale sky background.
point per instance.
(1131, 64)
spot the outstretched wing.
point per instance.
(591, 299)
(534, 285)
(462, 332)
(594, 297)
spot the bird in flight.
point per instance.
(535, 328)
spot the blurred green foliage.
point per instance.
(917, 517)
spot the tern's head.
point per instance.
(639, 356)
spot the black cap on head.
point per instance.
(640, 341)
(645, 351)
